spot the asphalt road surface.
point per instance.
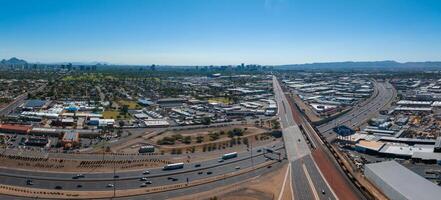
(131, 179)
(190, 190)
(306, 180)
(360, 113)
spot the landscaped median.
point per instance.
(69, 194)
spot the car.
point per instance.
(58, 187)
(175, 179)
(29, 182)
(148, 182)
(209, 173)
(79, 186)
(269, 166)
(197, 165)
(78, 176)
(259, 150)
(110, 185)
(143, 179)
(146, 172)
(143, 185)
(323, 192)
(116, 176)
(200, 172)
(237, 167)
(220, 160)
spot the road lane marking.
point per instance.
(310, 182)
(321, 174)
(284, 181)
(290, 184)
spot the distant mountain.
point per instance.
(380, 65)
(13, 61)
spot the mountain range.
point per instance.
(378, 65)
(13, 61)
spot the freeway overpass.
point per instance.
(314, 173)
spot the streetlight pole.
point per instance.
(251, 147)
(114, 177)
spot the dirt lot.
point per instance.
(66, 165)
(266, 187)
(251, 134)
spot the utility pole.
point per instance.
(251, 147)
(114, 177)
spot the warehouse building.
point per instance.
(14, 128)
(398, 182)
(70, 139)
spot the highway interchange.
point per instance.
(305, 146)
(306, 180)
(300, 142)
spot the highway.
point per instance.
(19, 100)
(190, 190)
(14, 104)
(360, 113)
(307, 181)
(131, 179)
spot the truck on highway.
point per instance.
(173, 166)
(229, 155)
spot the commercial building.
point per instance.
(398, 182)
(70, 139)
(36, 141)
(414, 103)
(34, 104)
(146, 149)
(171, 102)
(12, 128)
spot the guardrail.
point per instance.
(67, 194)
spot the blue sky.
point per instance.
(198, 32)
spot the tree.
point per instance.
(187, 140)
(230, 134)
(121, 123)
(199, 139)
(213, 136)
(125, 110)
(257, 122)
(245, 141)
(178, 137)
(206, 121)
(275, 124)
(238, 132)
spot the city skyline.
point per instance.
(219, 32)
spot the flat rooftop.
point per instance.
(403, 181)
(374, 145)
